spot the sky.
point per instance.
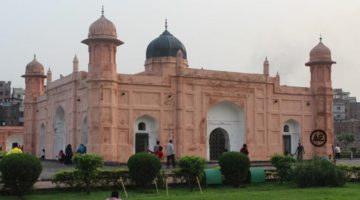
(224, 35)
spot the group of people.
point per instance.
(158, 151)
(66, 157)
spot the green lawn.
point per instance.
(254, 192)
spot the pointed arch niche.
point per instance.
(146, 133)
(59, 131)
(229, 118)
(291, 136)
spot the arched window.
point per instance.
(286, 129)
(142, 126)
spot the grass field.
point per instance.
(253, 192)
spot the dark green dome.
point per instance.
(165, 45)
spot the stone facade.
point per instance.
(204, 112)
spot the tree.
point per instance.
(346, 138)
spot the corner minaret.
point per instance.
(102, 89)
(266, 67)
(34, 87)
(49, 76)
(321, 89)
(75, 64)
(102, 41)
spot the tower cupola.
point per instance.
(319, 54)
(34, 68)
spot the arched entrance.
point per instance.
(59, 129)
(230, 119)
(218, 143)
(18, 138)
(42, 138)
(146, 133)
(291, 136)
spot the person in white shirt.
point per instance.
(337, 152)
(170, 154)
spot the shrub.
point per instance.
(111, 178)
(235, 167)
(318, 172)
(143, 168)
(105, 178)
(19, 172)
(86, 165)
(190, 168)
(283, 165)
(69, 178)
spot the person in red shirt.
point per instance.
(244, 150)
(159, 153)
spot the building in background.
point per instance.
(346, 111)
(204, 112)
(5, 90)
(11, 116)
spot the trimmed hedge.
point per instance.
(283, 165)
(235, 167)
(318, 172)
(190, 168)
(143, 168)
(105, 178)
(19, 172)
(86, 165)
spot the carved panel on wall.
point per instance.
(260, 121)
(260, 137)
(146, 98)
(260, 104)
(189, 101)
(308, 123)
(123, 97)
(189, 118)
(274, 122)
(106, 135)
(169, 99)
(320, 105)
(189, 136)
(291, 105)
(168, 119)
(124, 118)
(320, 122)
(106, 116)
(123, 136)
(260, 92)
(95, 117)
(274, 137)
(274, 104)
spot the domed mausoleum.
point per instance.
(204, 112)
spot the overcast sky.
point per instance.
(226, 35)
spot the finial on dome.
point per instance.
(34, 56)
(166, 24)
(102, 10)
(320, 38)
